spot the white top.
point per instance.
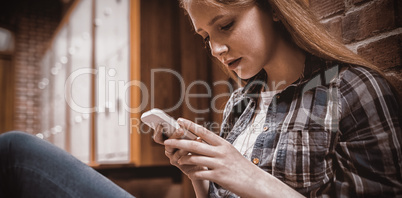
(244, 143)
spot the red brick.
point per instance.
(334, 26)
(368, 21)
(385, 53)
(35, 27)
(325, 8)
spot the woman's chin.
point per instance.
(245, 75)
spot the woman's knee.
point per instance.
(14, 137)
(15, 140)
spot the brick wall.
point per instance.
(371, 28)
(36, 22)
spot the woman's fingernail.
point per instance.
(180, 120)
(180, 131)
(198, 139)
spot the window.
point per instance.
(6, 40)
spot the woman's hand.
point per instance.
(224, 164)
(200, 186)
(219, 161)
(172, 153)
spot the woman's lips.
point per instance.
(232, 65)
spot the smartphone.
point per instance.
(155, 117)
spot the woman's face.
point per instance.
(242, 38)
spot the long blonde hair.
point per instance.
(303, 27)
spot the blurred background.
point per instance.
(79, 73)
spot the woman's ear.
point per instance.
(275, 16)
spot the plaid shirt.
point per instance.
(335, 132)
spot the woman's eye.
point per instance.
(228, 26)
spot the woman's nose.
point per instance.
(217, 49)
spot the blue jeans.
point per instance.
(31, 167)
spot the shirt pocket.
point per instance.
(302, 159)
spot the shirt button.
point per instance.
(256, 161)
(265, 128)
(278, 96)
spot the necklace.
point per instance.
(252, 130)
(244, 143)
(255, 127)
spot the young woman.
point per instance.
(314, 119)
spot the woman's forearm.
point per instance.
(266, 185)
